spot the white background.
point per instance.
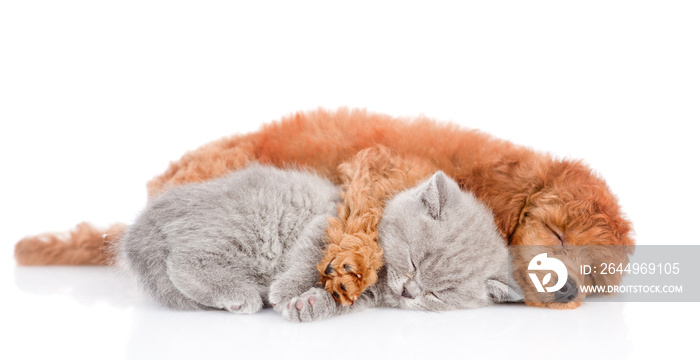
(96, 97)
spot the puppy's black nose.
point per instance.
(567, 293)
(406, 294)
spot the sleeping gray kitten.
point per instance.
(252, 240)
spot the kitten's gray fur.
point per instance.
(252, 239)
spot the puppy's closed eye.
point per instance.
(556, 231)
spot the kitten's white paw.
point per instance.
(242, 305)
(314, 304)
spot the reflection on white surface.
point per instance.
(74, 312)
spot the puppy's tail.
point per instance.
(83, 245)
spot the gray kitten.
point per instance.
(252, 240)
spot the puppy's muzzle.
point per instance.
(567, 293)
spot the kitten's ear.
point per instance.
(501, 291)
(435, 194)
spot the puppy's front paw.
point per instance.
(349, 272)
(314, 304)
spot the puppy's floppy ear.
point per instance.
(434, 195)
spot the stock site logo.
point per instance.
(542, 262)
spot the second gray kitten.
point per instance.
(252, 240)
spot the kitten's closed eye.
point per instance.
(435, 296)
(442, 293)
(412, 269)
